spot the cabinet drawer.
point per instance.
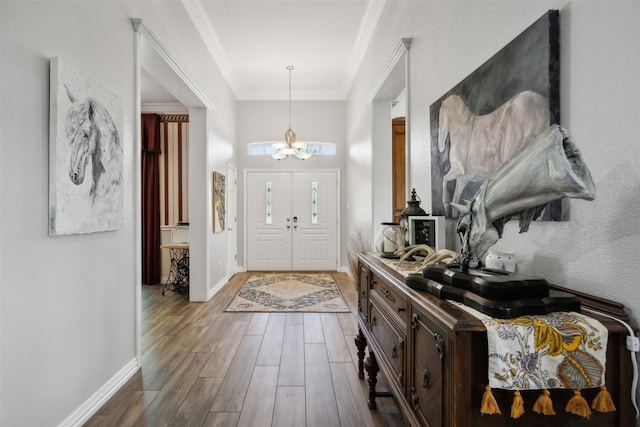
(396, 302)
(391, 342)
(426, 382)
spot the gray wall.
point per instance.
(261, 121)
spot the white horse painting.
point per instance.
(479, 144)
(86, 156)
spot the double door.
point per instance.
(292, 220)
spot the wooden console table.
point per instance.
(434, 356)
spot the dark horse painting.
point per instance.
(87, 160)
(502, 105)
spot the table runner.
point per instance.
(561, 350)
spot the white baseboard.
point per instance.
(99, 398)
(216, 288)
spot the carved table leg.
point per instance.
(361, 343)
(371, 365)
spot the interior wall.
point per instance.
(260, 121)
(68, 306)
(592, 251)
(68, 302)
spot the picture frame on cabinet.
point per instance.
(427, 230)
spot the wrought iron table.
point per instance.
(178, 279)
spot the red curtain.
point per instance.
(150, 199)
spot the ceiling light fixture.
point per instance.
(290, 147)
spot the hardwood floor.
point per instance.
(202, 366)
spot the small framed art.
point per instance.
(427, 230)
(219, 189)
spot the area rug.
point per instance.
(289, 292)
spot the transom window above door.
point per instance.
(315, 148)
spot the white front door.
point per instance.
(269, 221)
(315, 218)
(292, 220)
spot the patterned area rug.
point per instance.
(289, 292)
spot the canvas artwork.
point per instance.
(85, 154)
(218, 202)
(505, 103)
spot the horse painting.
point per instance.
(86, 156)
(92, 135)
(479, 144)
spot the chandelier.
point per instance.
(290, 147)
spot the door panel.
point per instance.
(302, 234)
(269, 221)
(314, 206)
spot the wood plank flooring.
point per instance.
(202, 366)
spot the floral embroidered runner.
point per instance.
(558, 350)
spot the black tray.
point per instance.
(503, 309)
(487, 283)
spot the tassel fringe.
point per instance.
(603, 401)
(517, 407)
(489, 405)
(578, 405)
(543, 404)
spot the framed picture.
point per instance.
(85, 154)
(427, 230)
(218, 202)
(505, 103)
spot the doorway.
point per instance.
(391, 154)
(398, 166)
(292, 220)
(152, 57)
(232, 220)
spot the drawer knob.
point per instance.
(388, 295)
(426, 377)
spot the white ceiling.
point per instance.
(253, 42)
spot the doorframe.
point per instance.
(153, 56)
(245, 222)
(232, 207)
(391, 81)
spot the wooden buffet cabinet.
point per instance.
(434, 356)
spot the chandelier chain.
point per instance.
(290, 68)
